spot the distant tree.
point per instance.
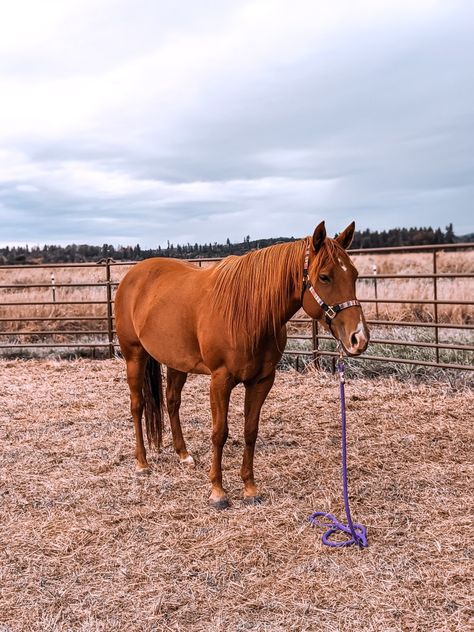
(449, 236)
(50, 253)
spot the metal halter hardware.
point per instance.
(330, 311)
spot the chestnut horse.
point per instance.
(228, 321)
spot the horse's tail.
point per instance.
(153, 403)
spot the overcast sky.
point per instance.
(126, 121)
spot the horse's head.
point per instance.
(329, 293)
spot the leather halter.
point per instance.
(330, 311)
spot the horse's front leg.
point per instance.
(255, 395)
(221, 388)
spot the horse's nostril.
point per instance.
(354, 340)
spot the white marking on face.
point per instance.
(341, 262)
(361, 334)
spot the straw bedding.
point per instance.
(86, 545)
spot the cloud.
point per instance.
(135, 121)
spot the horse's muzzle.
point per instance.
(357, 341)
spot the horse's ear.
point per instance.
(319, 236)
(345, 238)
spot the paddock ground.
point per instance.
(86, 545)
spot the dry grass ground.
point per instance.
(87, 546)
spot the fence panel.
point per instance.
(78, 313)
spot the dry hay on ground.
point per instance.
(86, 545)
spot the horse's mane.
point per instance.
(253, 291)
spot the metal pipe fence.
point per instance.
(18, 326)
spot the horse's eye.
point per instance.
(324, 278)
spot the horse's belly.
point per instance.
(171, 341)
(243, 364)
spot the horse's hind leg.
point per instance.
(175, 381)
(136, 359)
(255, 395)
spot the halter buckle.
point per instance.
(330, 312)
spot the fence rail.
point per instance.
(310, 335)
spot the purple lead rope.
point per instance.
(357, 531)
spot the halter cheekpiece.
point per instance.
(330, 311)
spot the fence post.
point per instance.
(110, 326)
(53, 287)
(435, 303)
(315, 340)
(374, 272)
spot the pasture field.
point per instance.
(85, 545)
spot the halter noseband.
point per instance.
(330, 311)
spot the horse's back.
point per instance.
(147, 277)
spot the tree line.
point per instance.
(79, 253)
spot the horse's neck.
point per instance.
(293, 306)
(259, 293)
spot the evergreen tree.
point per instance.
(449, 235)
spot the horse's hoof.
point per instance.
(142, 471)
(221, 504)
(189, 461)
(253, 500)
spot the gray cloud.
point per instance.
(241, 118)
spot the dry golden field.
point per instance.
(86, 546)
(419, 263)
(460, 289)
